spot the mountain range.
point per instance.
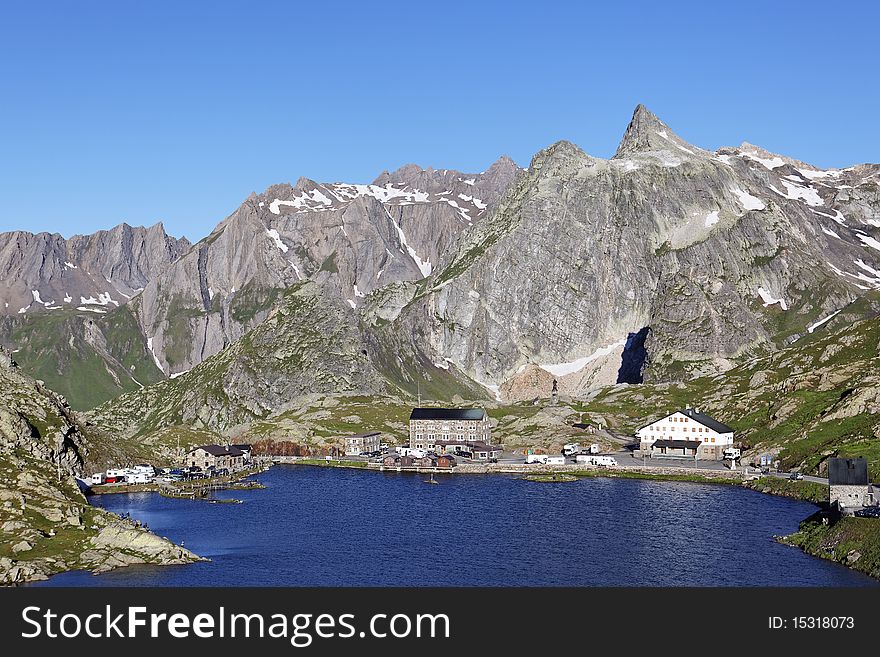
(664, 263)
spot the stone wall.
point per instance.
(849, 495)
(521, 468)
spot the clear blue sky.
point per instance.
(176, 111)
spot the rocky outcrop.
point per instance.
(713, 257)
(46, 524)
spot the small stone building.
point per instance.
(848, 484)
(216, 456)
(362, 443)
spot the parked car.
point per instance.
(869, 512)
(795, 476)
(765, 471)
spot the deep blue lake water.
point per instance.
(334, 527)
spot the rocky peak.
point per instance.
(502, 169)
(646, 132)
(403, 175)
(561, 155)
(771, 160)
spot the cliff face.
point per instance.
(350, 239)
(698, 259)
(46, 524)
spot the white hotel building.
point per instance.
(687, 433)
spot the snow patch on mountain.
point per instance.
(813, 327)
(795, 192)
(423, 265)
(771, 163)
(275, 237)
(769, 299)
(153, 354)
(561, 369)
(818, 175)
(867, 240)
(748, 201)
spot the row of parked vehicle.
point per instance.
(597, 460)
(147, 474)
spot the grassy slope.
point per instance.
(854, 542)
(53, 348)
(308, 347)
(807, 402)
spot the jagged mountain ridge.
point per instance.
(696, 259)
(351, 239)
(716, 256)
(43, 272)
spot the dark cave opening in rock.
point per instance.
(632, 362)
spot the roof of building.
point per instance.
(447, 414)
(848, 472)
(220, 450)
(677, 444)
(706, 420)
(369, 434)
(243, 447)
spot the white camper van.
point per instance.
(536, 458)
(555, 460)
(598, 461)
(571, 449)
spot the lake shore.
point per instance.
(345, 528)
(807, 538)
(798, 490)
(849, 541)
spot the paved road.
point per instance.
(625, 458)
(784, 475)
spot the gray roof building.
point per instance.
(848, 472)
(447, 414)
(706, 420)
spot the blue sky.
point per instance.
(173, 111)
